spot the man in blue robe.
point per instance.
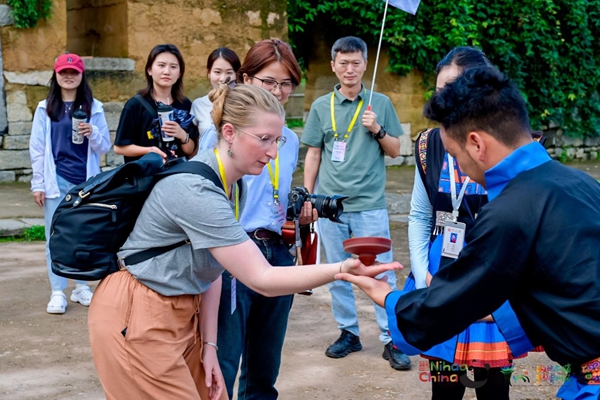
(536, 243)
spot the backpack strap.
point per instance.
(421, 152)
(146, 105)
(149, 164)
(192, 167)
(189, 167)
(197, 168)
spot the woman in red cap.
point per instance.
(64, 155)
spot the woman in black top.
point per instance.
(135, 137)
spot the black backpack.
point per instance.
(96, 217)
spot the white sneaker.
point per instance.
(82, 295)
(57, 304)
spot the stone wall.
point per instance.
(97, 27)
(566, 148)
(35, 49)
(24, 91)
(126, 28)
(198, 27)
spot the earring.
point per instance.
(229, 152)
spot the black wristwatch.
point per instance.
(381, 134)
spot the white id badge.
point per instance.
(233, 295)
(339, 151)
(279, 213)
(454, 238)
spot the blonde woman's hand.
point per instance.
(354, 266)
(213, 376)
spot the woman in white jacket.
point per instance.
(59, 162)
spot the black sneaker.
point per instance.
(398, 360)
(346, 344)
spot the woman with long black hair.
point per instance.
(61, 159)
(135, 137)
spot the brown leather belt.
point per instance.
(263, 234)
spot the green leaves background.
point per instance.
(549, 47)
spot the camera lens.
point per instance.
(329, 207)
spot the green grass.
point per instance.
(34, 233)
(31, 234)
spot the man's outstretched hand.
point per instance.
(376, 289)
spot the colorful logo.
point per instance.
(437, 371)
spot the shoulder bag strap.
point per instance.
(189, 167)
(146, 105)
(421, 152)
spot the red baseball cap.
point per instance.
(69, 60)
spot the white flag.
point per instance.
(410, 6)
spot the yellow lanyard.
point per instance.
(226, 186)
(351, 126)
(275, 179)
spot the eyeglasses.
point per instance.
(266, 141)
(270, 84)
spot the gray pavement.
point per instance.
(18, 210)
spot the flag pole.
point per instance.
(378, 51)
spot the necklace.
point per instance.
(67, 107)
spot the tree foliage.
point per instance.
(26, 13)
(548, 47)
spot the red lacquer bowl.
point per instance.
(367, 248)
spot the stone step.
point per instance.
(17, 227)
(398, 205)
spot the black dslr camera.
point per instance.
(329, 207)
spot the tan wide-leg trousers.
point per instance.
(145, 345)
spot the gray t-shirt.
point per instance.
(180, 207)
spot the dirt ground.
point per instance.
(45, 356)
